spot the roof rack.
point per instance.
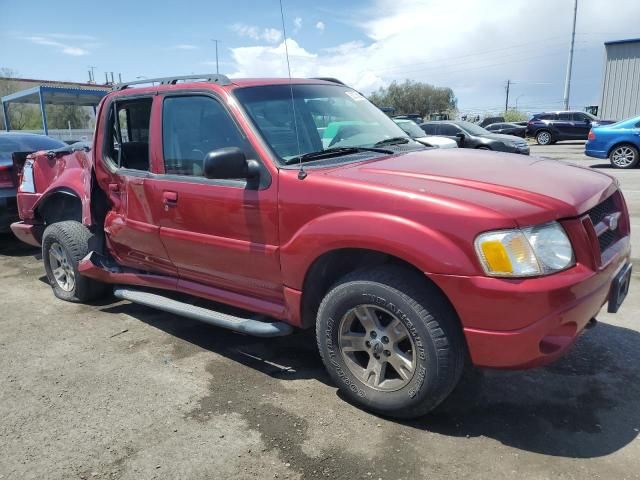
(330, 79)
(209, 77)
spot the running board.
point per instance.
(250, 326)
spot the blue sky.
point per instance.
(471, 46)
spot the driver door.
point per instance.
(220, 233)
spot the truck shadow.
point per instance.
(292, 357)
(10, 246)
(585, 405)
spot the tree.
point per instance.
(21, 116)
(415, 97)
(515, 116)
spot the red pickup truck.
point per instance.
(301, 205)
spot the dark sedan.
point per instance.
(19, 144)
(507, 128)
(470, 135)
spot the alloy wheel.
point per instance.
(377, 348)
(61, 267)
(543, 138)
(623, 156)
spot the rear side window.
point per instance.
(547, 116)
(193, 126)
(565, 116)
(429, 128)
(128, 138)
(448, 129)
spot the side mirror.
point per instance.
(229, 162)
(460, 136)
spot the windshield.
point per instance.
(472, 128)
(327, 116)
(411, 128)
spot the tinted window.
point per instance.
(429, 128)
(193, 127)
(565, 116)
(448, 130)
(547, 116)
(580, 117)
(128, 144)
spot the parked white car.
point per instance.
(415, 132)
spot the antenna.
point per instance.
(301, 174)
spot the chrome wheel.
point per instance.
(377, 348)
(61, 267)
(543, 138)
(623, 156)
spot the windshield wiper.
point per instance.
(334, 152)
(391, 141)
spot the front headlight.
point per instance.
(526, 252)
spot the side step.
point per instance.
(249, 326)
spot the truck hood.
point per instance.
(525, 189)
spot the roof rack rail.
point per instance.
(209, 77)
(330, 79)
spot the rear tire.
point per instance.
(543, 137)
(390, 341)
(64, 244)
(624, 156)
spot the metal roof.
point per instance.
(83, 97)
(628, 40)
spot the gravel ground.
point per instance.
(118, 391)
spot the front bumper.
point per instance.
(520, 323)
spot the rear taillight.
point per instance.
(6, 176)
(591, 136)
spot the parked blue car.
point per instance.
(619, 142)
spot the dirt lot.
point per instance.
(114, 390)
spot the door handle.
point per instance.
(170, 198)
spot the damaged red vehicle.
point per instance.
(301, 205)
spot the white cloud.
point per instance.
(269, 35)
(297, 24)
(184, 46)
(320, 26)
(473, 48)
(50, 40)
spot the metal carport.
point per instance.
(47, 94)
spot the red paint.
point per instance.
(253, 248)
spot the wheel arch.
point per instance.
(331, 266)
(621, 143)
(59, 204)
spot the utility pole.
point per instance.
(506, 102)
(92, 77)
(216, 42)
(567, 82)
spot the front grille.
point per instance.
(598, 215)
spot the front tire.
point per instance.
(64, 244)
(390, 341)
(624, 156)
(543, 137)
